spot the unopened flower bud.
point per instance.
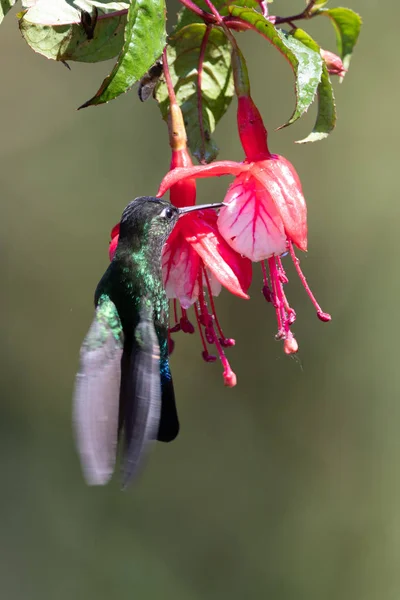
(334, 63)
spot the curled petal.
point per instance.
(115, 230)
(250, 222)
(180, 266)
(215, 285)
(215, 169)
(112, 248)
(230, 269)
(281, 181)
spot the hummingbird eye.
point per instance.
(167, 213)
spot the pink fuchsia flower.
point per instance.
(265, 212)
(334, 63)
(197, 261)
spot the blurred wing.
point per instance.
(169, 423)
(97, 388)
(143, 405)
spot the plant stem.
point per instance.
(168, 80)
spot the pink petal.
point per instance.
(215, 169)
(231, 270)
(180, 265)
(251, 223)
(215, 285)
(112, 248)
(281, 181)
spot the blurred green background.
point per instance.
(286, 487)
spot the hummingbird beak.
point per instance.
(188, 209)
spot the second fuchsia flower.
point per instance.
(265, 213)
(197, 260)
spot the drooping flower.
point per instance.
(197, 260)
(265, 212)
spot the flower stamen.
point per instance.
(176, 326)
(323, 316)
(276, 298)
(266, 289)
(186, 325)
(285, 315)
(225, 342)
(205, 354)
(208, 320)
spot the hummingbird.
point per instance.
(124, 394)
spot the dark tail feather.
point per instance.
(169, 423)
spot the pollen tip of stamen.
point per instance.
(230, 379)
(267, 293)
(208, 357)
(280, 335)
(290, 346)
(323, 316)
(175, 328)
(186, 325)
(227, 342)
(171, 345)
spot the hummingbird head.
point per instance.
(148, 221)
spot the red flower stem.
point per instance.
(305, 14)
(296, 261)
(203, 48)
(168, 80)
(229, 21)
(116, 13)
(198, 11)
(221, 22)
(214, 11)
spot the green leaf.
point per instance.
(5, 6)
(144, 42)
(52, 28)
(70, 42)
(347, 24)
(67, 12)
(306, 62)
(326, 117)
(216, 88)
